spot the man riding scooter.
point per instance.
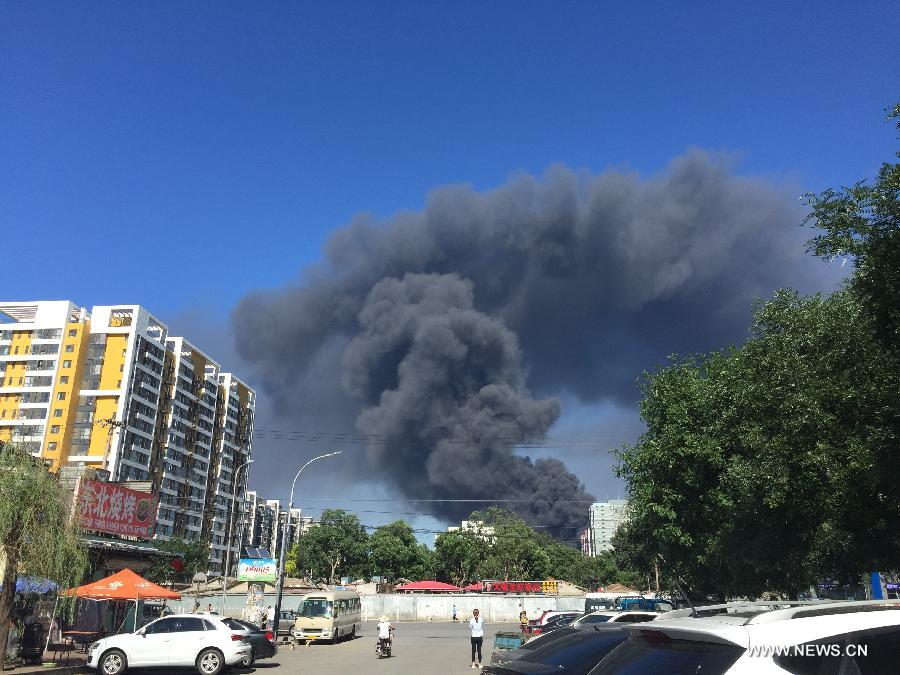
(385, 637)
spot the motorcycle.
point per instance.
(383, 648)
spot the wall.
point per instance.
(410, 607)
(494, 608)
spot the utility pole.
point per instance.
(110, 424)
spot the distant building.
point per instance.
(264, 523)
(605, 519)
(477, 528)
(586, 542)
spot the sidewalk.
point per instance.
(76, 664)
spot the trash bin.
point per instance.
(32, 645)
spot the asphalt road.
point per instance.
(421, 648)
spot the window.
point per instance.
(54, 429)
(189, 624)
(169, 625)
(57, 412)
(64, 379)
(70, 348)
(73, 332)
(51, 446)
(67, 364)
(61, 396)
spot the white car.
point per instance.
(612, 616)
(203, 642)
(774, 638)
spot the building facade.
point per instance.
(605, 519)
(110, 389)
(264, 522)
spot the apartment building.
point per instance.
(264, 524)
(111, 389)
(605, 519)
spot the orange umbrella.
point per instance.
(124, 585)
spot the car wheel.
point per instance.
(113, 662)
(247, 661)
(210, 662)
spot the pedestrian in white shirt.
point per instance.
(476, 628)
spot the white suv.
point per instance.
(178, 640)
(811, 638)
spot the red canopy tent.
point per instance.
(428, 587)
(124, 585)
(476, 587)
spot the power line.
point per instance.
(595, 442)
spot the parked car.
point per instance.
(568, 651)
(607, 616)
(554, 622)
(535, 627)
(261, 641)
(814, 637)
(205, 642)
(501, 656)
(286, 622)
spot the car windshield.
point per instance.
(595, 618)
(316, 607)
(668, 657)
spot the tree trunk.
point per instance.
(7, 596)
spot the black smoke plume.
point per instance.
(431, 328)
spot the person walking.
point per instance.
(523, 620)
(454, 612)
(476, 628)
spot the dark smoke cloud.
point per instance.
(431, 328)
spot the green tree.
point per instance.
(336, 547)
(457, 557)
(194, 557)
(863, 222)
(37, 534)
(515, 550)
(395, 553)
(772, 465)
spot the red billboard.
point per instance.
(111, 508)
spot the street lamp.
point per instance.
(234, 491)
(279, 584)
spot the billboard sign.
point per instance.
(546, 587)
(257, 569)
(111, 508)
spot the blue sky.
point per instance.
(180, 154)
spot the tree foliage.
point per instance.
(863, 222)
(395, 553)
(772, 465)
(337, 546)
(37, 534)
(507, 548)
(194, 556)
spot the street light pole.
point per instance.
(279, 584)
(234, 491)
